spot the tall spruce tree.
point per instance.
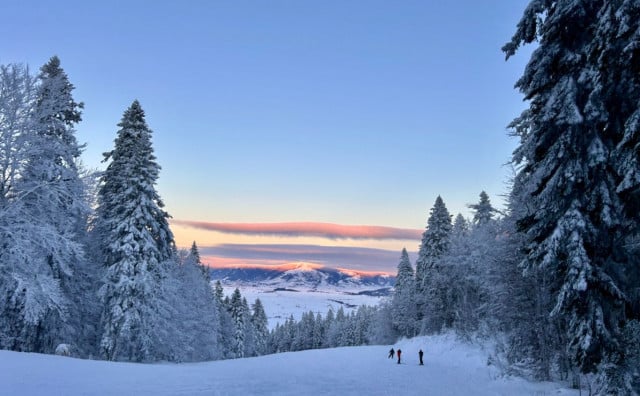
(435, 243)
(137, 241)
(194, 256)
(238, 315)
(260, 325)
(578, 158)
(225, 331)
(483, 211)
(403, 303)
(460, 226)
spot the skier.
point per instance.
(399, 352)
(391, 352)
(420, 355)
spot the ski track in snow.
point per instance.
(451, 368)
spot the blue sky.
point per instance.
(341, 112)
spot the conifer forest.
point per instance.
(88, 260)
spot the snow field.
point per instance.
(279, 305)
(451, 368)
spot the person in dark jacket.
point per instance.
(420, 354)
(398, 353)
(391, 352)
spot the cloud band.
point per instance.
(307, 229)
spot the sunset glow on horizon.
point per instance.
(358, 249)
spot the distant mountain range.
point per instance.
(301, 277)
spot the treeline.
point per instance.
(313, 331)
(87, 259)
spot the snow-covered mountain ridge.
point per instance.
(307, 278)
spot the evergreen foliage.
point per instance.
(579, 170)
(43, 208)
(460, 226)
(137, 241)
(260, 326)
(483, 211)
(334, 330)
(430, 294)
(238, 315)
(156, 304)
(404, 311)
(555, 281)
(194, 257)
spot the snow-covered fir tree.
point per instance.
(47, 208)
(194, 256)
(186, 322)
(225, 330)
(435, 242)
(578, 158)
(238, 315)
(336, 328)
(460, 226)
(137, 241)
(520, 302)
(260, 326)
(403, 304)
(249, 331)
(483, 211)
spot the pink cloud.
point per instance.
(308, 229)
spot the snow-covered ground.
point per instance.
(451, 368)
(279, 305)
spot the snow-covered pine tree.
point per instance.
(460, 226)
(50, 199)
(328, 324)
(194, 256)
(435, 243)
(225, 331)
(250, 331)
(319, 332)
(462, 280)
(403, 302)
(520, 302)
(336, 327)
(483, 211)
(187, 320)
(578, 158)
(382, 331)
(238, 316)
(260, 326)
(137, 241)
(303, 332)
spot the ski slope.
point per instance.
(451, 368)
